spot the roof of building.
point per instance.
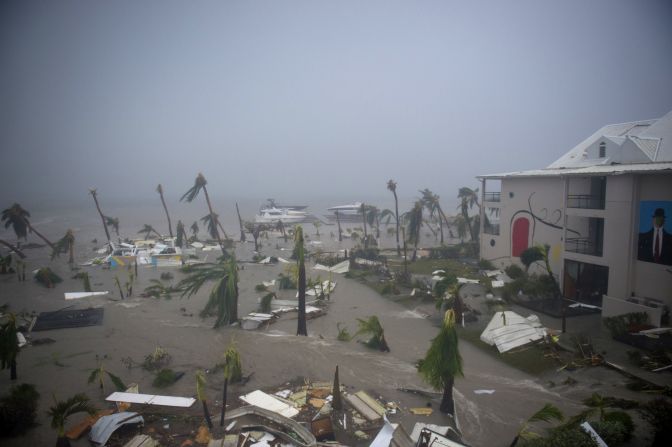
(615, 169)
(638, 146)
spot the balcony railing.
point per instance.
(492, 196)
(585, 201)
(491, 228)
(584, 246)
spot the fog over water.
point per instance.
(311, 100)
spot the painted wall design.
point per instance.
(654, 242)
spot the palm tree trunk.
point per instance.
(12, 370)
(102, 217)
(165, 208)
(447, 404)
(366, 237)
(338, 222)
(396, 214)
(403, 234)
(212, 216)
(206, 413)
(226, 385)
(13, 248)
(240, 222)
(40, 235)
(515, 441)
(71, 250)
(302, 329)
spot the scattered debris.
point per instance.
(62, 319)
(508, 330)
(78, 295)
(254, 320)
(424, 411)
(106, 425)
(484, 391)
(262, 400)
(151, 399)
(341, 267)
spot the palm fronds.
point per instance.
(233, 367)
(62, 410)
(371, 326)
(193, 192)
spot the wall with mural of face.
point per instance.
(654, 241)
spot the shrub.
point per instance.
(623, 418)
(621, 324)
(260, 288)
(265, 303)
(658, 413)
(18, 410)
(514, 271)
(484, 264)
(166, 377)
(47, 277)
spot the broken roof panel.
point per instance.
(62, 319)
(151, 399)
(508, 330)
(262, 400)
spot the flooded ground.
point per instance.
(134, 327)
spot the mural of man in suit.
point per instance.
(655, 245)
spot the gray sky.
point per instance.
(294, 99)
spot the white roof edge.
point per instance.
(616, 169)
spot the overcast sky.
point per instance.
(293, 99)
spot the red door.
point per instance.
(520, 236)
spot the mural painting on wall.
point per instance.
(522, 237)
(655, 232)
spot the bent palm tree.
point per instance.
(443, 362)
(546, 414)
(392, 186)
(17, 217)
(223, 300)
(159, 189)
(62, 410)
(432, 204)
(113, 222)
(94, 194)
(363, 209)
(194, 230)
(65, 244)
(200, 184)
(13, 248)
(148, 229)
(182, 237)
(414, 222)
(469, 198)
(301, 329)
(240, 222)
(233, 372)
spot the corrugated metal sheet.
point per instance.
(262, 400)
(151, 399)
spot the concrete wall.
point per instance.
(542, 197)
(652, 280)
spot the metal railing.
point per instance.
(584, 246)
(585, 201)
(492, 196)
(491, 229)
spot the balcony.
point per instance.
(492, 196)
(585, 201)
(584, 246)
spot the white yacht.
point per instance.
(285, 215)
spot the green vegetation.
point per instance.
(157, 359)
(47, 277)
(371, 326)
(165, 378)
(9, 345)
(98, 375)
(18, 410)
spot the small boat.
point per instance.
(347, 210)
(285, 215)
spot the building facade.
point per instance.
(604, 209)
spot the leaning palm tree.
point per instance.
(194, 230)
(148, 230)
(363, 209)
(13, 248)
(414, 223)
(431, 202)
(546, 414)
(373, 218)
(223, 299)
(62, 410)
(200, 184)
(468, 198)
(392, 186)
(443, 362)
(301, 329)
(233, 372)
(373, 327)
(17, 217)
(9, 345)
(113, 222)
(94, 194)
(200, 393)
(338, 222)
(240, 222)
(65, 244)
(159, 189)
